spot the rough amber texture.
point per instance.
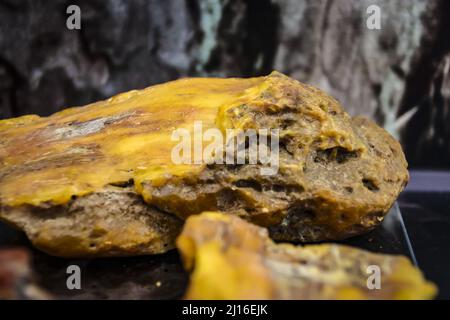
(232, 259)
(99, 180)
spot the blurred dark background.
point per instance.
(398, 76)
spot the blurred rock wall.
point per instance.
(399, 75)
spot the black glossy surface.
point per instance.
(147, 277)
(427, 219)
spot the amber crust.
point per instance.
(252, 266)
(338, 176)
(112, 223)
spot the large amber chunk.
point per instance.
(232, 259)
(100, 180)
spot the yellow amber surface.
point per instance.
(229, 258)
(80, 150)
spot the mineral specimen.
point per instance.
(100, 180)
(230, 258)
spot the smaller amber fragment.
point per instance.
(230, 258)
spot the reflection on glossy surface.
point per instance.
(427, 219)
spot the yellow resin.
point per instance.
(229, 258)
(81, 150)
